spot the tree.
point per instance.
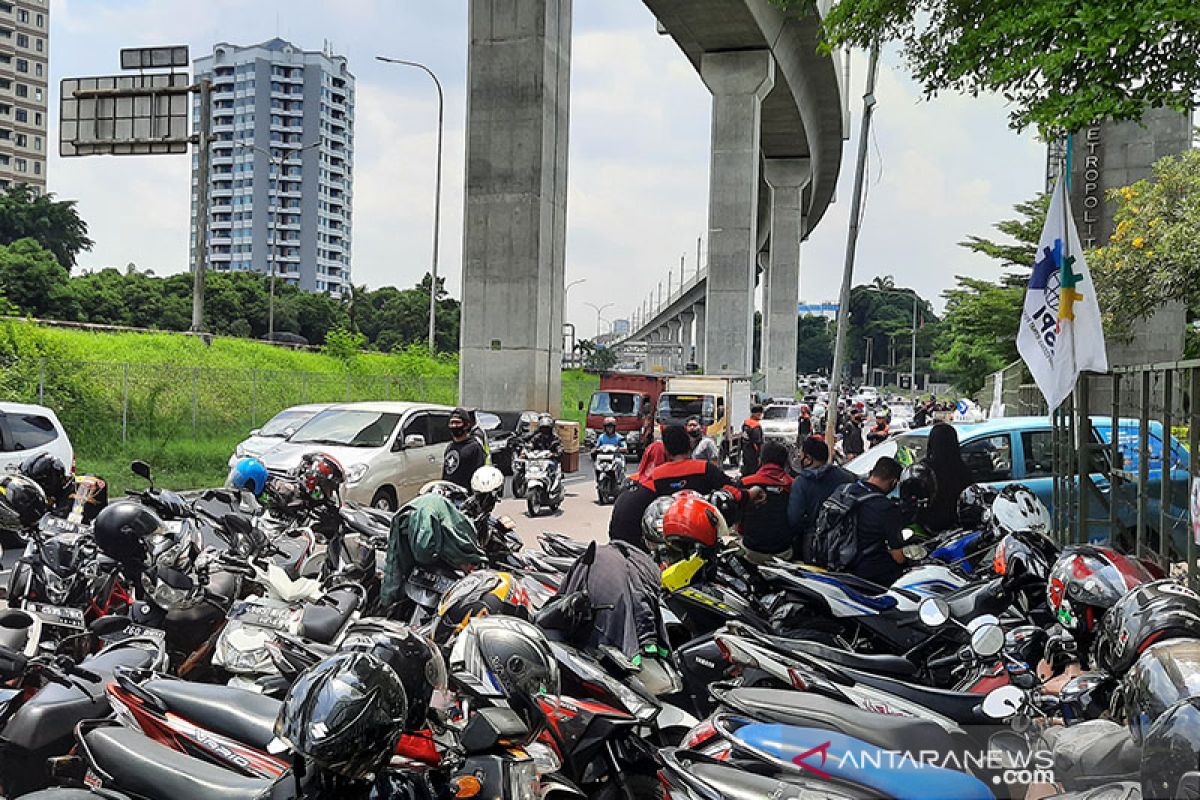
(1061, 65)
(344, 345)
(881, 312)
(979, 329)
(814, 345)
(1153, 256)
(55, 224)
(30, 277)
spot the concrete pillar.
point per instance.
(701, 334)
(675, 338)
(739, 80)
(787, 178)
(518, 97)
(685, 333)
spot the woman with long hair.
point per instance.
(944, 458)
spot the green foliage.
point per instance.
(1060, 65)
(55, 224)
(814, 344)
(882, 313)
(979, 331)
(343, 345)
(1153, 256)
(30, 277)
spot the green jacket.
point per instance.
(425, 531)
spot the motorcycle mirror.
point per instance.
(141, 469)
(987, 640)
(108, 625)
(934, 612)
(176, 579)
(1003, 702)
(589, 555)
(12, 662)
(907, 534)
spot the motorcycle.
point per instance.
(543, 482)
(609, 464)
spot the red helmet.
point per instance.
(1086, 581)
(321, 476)
(693, 520)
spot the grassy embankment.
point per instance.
(182, 405)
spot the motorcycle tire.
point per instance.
(641, 787)
(601, 496)
(518, 490)
(531, 504)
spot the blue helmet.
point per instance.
(249, 473)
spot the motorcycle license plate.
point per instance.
(249, 613)
(431, 580)
(138, 632)
(59, 616)
(56, 526)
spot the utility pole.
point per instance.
(699, 240)
(843, 314)
(912, 370)
(200, 257)
(682, 262)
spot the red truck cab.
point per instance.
(630, 398)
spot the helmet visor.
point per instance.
(1165, 674)
(1108, 580)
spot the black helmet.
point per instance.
(918, 485)
(345, 714)
(480, 594)
(509, 658)
(975, 506)
(49, 473)
(1164, 674)
(1150, 613)
(1171, 751)
(22, 498)
(1035, 554)
(122, 531)
(415, 660)
(545, 422)
(321, 477)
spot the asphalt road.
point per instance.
(580, 516)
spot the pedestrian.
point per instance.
(752, 440)
(679, 472)
(652, 456)
(852, 438)
(703, 447)
(817, 479)
(943, 457)
(463, 454)
(923, 412)
(880, 431)
(764, 527)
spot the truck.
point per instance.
(721, 402)
(630, 398)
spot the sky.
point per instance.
(639, 148)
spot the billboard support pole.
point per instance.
(200, 257)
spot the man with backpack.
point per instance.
(814, 483)
(859, 528)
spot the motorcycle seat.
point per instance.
(960, 707)
(789, 707)
(886, 664)
(850, 760)
(148, 769)
(240, 714)
(52, 713)
(322, 622)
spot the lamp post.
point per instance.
(277, 164)
(437, 192)
(599, 310)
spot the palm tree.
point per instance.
(883, 283)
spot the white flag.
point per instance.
(1061, 332)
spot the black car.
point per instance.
(502, 427)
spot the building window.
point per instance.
(41, 20)
(22, 40)
(21, 140)
(22, 65)
(39, 70)
(37, 143)
(22, 90)
(40, 45)
(19, 164)
(22, 115)
(37, 168)
(37, 118)
(22, 15)
(37, 95)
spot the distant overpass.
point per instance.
(779, 124)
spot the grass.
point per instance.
(182, 405)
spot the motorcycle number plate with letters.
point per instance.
(58, 616)
(249, 613)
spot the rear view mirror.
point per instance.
(934, 612)
(581, 405)
(108, 625)
(987, 640)
(1003, 702)
(414, 440)
(141, 469)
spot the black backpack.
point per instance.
(834, 541)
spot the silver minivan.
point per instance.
(388, 450)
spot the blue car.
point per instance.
(1019, 449)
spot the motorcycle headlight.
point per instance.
(57, 589)
(545, 760)
(523, 779)
(356, 473)
(242, 649)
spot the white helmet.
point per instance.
(487, 480)
(1017, 508)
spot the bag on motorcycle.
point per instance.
(834, 541)
(429, 529)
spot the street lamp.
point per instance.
(599, 310)
(277, 164)
(437, 192)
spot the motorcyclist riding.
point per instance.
(609, 436)
(544, 438)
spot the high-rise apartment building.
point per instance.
(280, 179)
(24, 71)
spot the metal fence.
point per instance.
(112, 402)
(1124, 462)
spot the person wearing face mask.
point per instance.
(815, 482)
(703, 447)
(464, 454)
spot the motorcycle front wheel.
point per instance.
(531, 504)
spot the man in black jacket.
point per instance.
(816, 481)
(764, 527)
(880, 525)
